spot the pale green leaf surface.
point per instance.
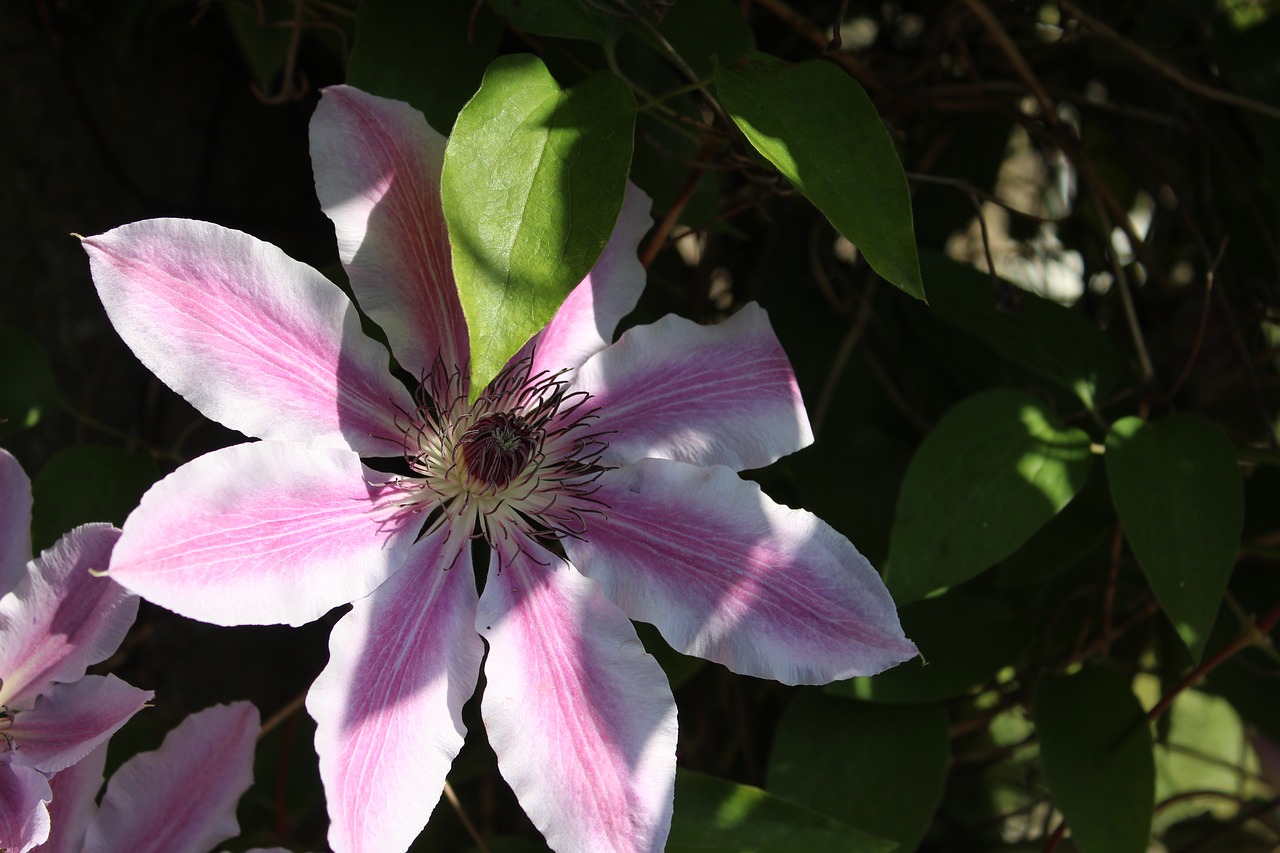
(818, 127)
(989, 474)
(1179, 493)
(532, 185)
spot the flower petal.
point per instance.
(728, 575)
(587, 319)
(69, 720)
(60, 619)
(581, 718)
(75, 802)
(15, 522)
(24, 814)
(263, 533)
(182, 797)
(388, 707)
(252, 338)
(709, 395)
(377, 164)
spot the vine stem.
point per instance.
(1250, 635)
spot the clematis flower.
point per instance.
(180, 798)
(56, 619)
(601, 476)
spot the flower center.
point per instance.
(498, 447)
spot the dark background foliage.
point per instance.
(1034, 136)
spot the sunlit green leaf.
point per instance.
(429, 54)
(1177, 488)
(815, 124)
(532, 185)
(715, 815)
(87, 483)
(965, 637)
(27, 385)
(989, 474)
(877, 767)
(1096, 747)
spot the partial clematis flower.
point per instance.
(179, 799)
(600, 476)
(56, 619)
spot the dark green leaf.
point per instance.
(701, 31)
(532, 185)
(815, 124)
(1097, 753)
(87, 483)
(429, 54)
(965, 638)
(1031, 331)
(714, 815)
(679, 668)
(993, 470)
(877, 767)
(1177, 488)
(27, 385)
(571, 19)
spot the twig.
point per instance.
(1016, 59)
(1166, 70)
(779, 9)
(462, 816)
(842, 356)
(672, 216)
(1198, 341)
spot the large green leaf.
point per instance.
(713, 815)
(876, 767)
(965, 637)
(818, 127)
(27, 384)
(1178, 490)
(993, 470)
(87, 483)
(532, 185)
(1097, 753)
(1037, 333)
(574, 19)
(429, 54)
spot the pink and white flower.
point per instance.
(56, 619)
(180, 798)
(601, 476)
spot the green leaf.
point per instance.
(571, 19)
(532, 185)
(1180, 497)
(715, 815)
(27, 385)
(1036, 333)
(818, 127)
(966, 637)
(993, 470)
(1097, 753)
(876, 767)
(87, 483)
(701, 31)
(431, 55)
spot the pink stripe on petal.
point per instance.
(581, 718)
(586, 322)
(61, 618)
(388, 707)
(709, 395)
(15, 522)
(728, 575)
(252, 338)
(182, 797)
(75, 802)
(24, 815)
(70, 720)
(377, 164)
(264, 533)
